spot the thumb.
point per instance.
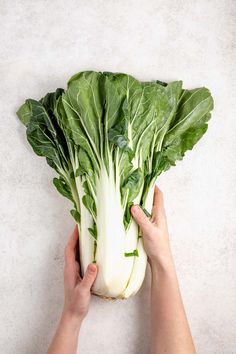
(89, 276)
(140, 218)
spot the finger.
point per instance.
(158, 209)
(89, 276)
(77, 251)
(72, 242)
(71, 270)
(140, 218)
(72, 274)
(70, 249)
(73, 245)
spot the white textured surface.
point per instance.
(42, 44)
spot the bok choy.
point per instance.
(108, 136)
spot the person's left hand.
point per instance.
(77, 289)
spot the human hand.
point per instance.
(77, 289)
(154, 230)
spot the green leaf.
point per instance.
(86, 187)
(85, 101)
(193, 110)
(133, 183)
(90, 205)
(76, 216)
(63, 188)
(129, 191)
(43, 135)
(188, 126)
(86, 166)
(93, 231)
(132, 254)
(75, 130)
(50, 101)
(24, 113)
(127, 215)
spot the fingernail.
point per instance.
(135, 209)
(92, 268)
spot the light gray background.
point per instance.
(42, 44)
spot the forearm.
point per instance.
(65, 340)
(170, 329)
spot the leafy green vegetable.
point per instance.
(108, 136)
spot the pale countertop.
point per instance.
(42, 44)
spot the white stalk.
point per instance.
(114, 268)
(138, 273)
(149, 199)
(140, 262)
(86, 241)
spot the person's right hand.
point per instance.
(154, 230)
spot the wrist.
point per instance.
(70, 320)
(162, 264)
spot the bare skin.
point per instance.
(170, 330)
(76, 303)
